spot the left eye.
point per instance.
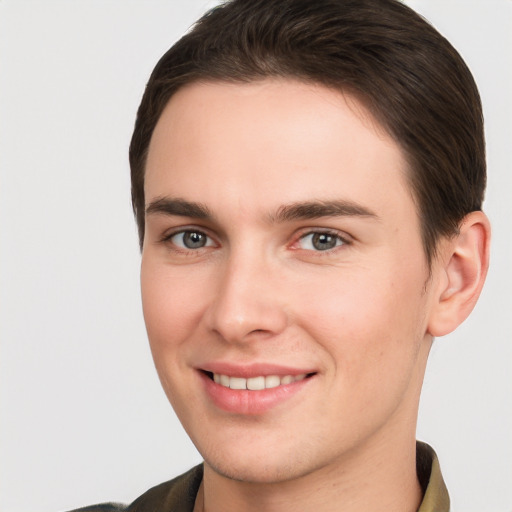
(191, 240)
(320, 241)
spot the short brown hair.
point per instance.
(407, 74)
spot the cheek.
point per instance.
(368, 328)
(172, 308)
(368, 321)
(171, 303)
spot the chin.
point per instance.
(260, 464)
(258, 473)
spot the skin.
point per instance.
(360, 315)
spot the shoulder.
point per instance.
(176, 495)
(103, 507)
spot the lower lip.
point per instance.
(244, 401)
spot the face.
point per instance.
(283, 278)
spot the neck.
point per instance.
(384, 480)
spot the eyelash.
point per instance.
(343, 241)
(167, 239)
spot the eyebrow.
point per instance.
(286, 213)
(317, 209)
(180, 207)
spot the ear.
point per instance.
(461, 269)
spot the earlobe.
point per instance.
(462, 271)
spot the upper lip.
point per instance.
(252, 370)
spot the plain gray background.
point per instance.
(82, 415)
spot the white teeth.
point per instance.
(287, 379)
(237, 383)
(272, 381)
(256, 383)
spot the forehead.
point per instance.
(264, 143)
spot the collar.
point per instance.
(435, 494)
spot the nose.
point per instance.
(248, 303)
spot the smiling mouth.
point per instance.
(257, 383)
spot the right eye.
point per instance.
(190, 240)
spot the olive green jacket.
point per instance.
(179, 494)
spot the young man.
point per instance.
(307, 179)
